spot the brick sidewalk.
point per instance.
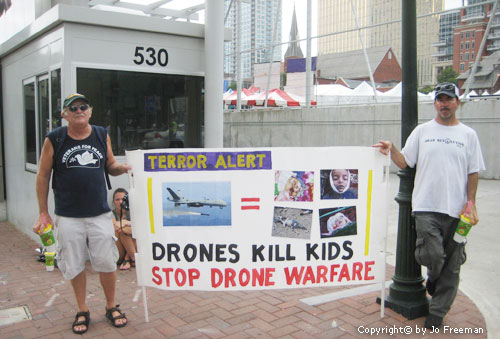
(180, 314)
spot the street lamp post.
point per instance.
(407, 294)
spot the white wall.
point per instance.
(261, 72)
(17, 17)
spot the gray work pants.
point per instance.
(436, 249)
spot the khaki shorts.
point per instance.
(82, 238)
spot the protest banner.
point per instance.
(258, 218)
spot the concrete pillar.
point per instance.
(214, 72)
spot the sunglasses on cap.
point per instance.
(445, 87)
(75, 108)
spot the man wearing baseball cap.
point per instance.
(448, 157)
(78, 155)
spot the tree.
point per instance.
(448, 75)
(426, 89)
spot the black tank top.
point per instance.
(80, 186)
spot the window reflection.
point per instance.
(145, 110)
(30, 122)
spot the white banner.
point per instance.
(260, 218)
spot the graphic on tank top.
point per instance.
(82, 156)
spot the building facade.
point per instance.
(444, 45)
(468, 35)
(379, 24)
(143, 75)
(257, 25)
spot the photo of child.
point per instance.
(293, 186)
(339, 184)
(338, 221)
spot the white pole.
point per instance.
(308, 57)
(238, 55)
(271, 56)
(364, 50)
(145, 302)
(214, 73)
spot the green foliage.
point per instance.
(282, 79)
(448, 75)
(233, 86)
(426, 89)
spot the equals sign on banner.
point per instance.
(246, 203)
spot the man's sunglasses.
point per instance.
(446, 87)
(75, 108)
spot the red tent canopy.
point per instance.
(278, 97)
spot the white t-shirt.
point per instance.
(444, 156)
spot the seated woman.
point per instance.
(123, 231)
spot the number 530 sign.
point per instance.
(150, 56)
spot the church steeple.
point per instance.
(293, 49)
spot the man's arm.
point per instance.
(472, 182)
(114, 167)
(396, 156)
(42, 186)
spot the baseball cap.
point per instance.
(446, 88)
(74, 97)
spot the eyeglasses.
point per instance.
(75, 108)
(445, 87)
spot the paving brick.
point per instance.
(279, 332)
(188, 314)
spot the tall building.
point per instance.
(444, 45)
(380, 25)
(469, 34)
(257, 26)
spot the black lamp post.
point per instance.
(407, 294)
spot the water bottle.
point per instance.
(47, 237)
(463, 226)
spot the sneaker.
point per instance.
(433, 321)
(430, 286)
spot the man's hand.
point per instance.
(40, 222)
(384, 146)
(472, 214)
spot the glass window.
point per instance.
(461, 46)
(145, 110)
(41, 102)
(466, 56)
(30, 122)
(467, 45)
(467, 34)
(462, 67)
(55, 98)
(43, 110)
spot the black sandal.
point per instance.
(85, 322)
(109, 315)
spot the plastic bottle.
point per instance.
(49, 260)
(463, 226)
(47, 236)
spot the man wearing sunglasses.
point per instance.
(83, 218)
(448, 157)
